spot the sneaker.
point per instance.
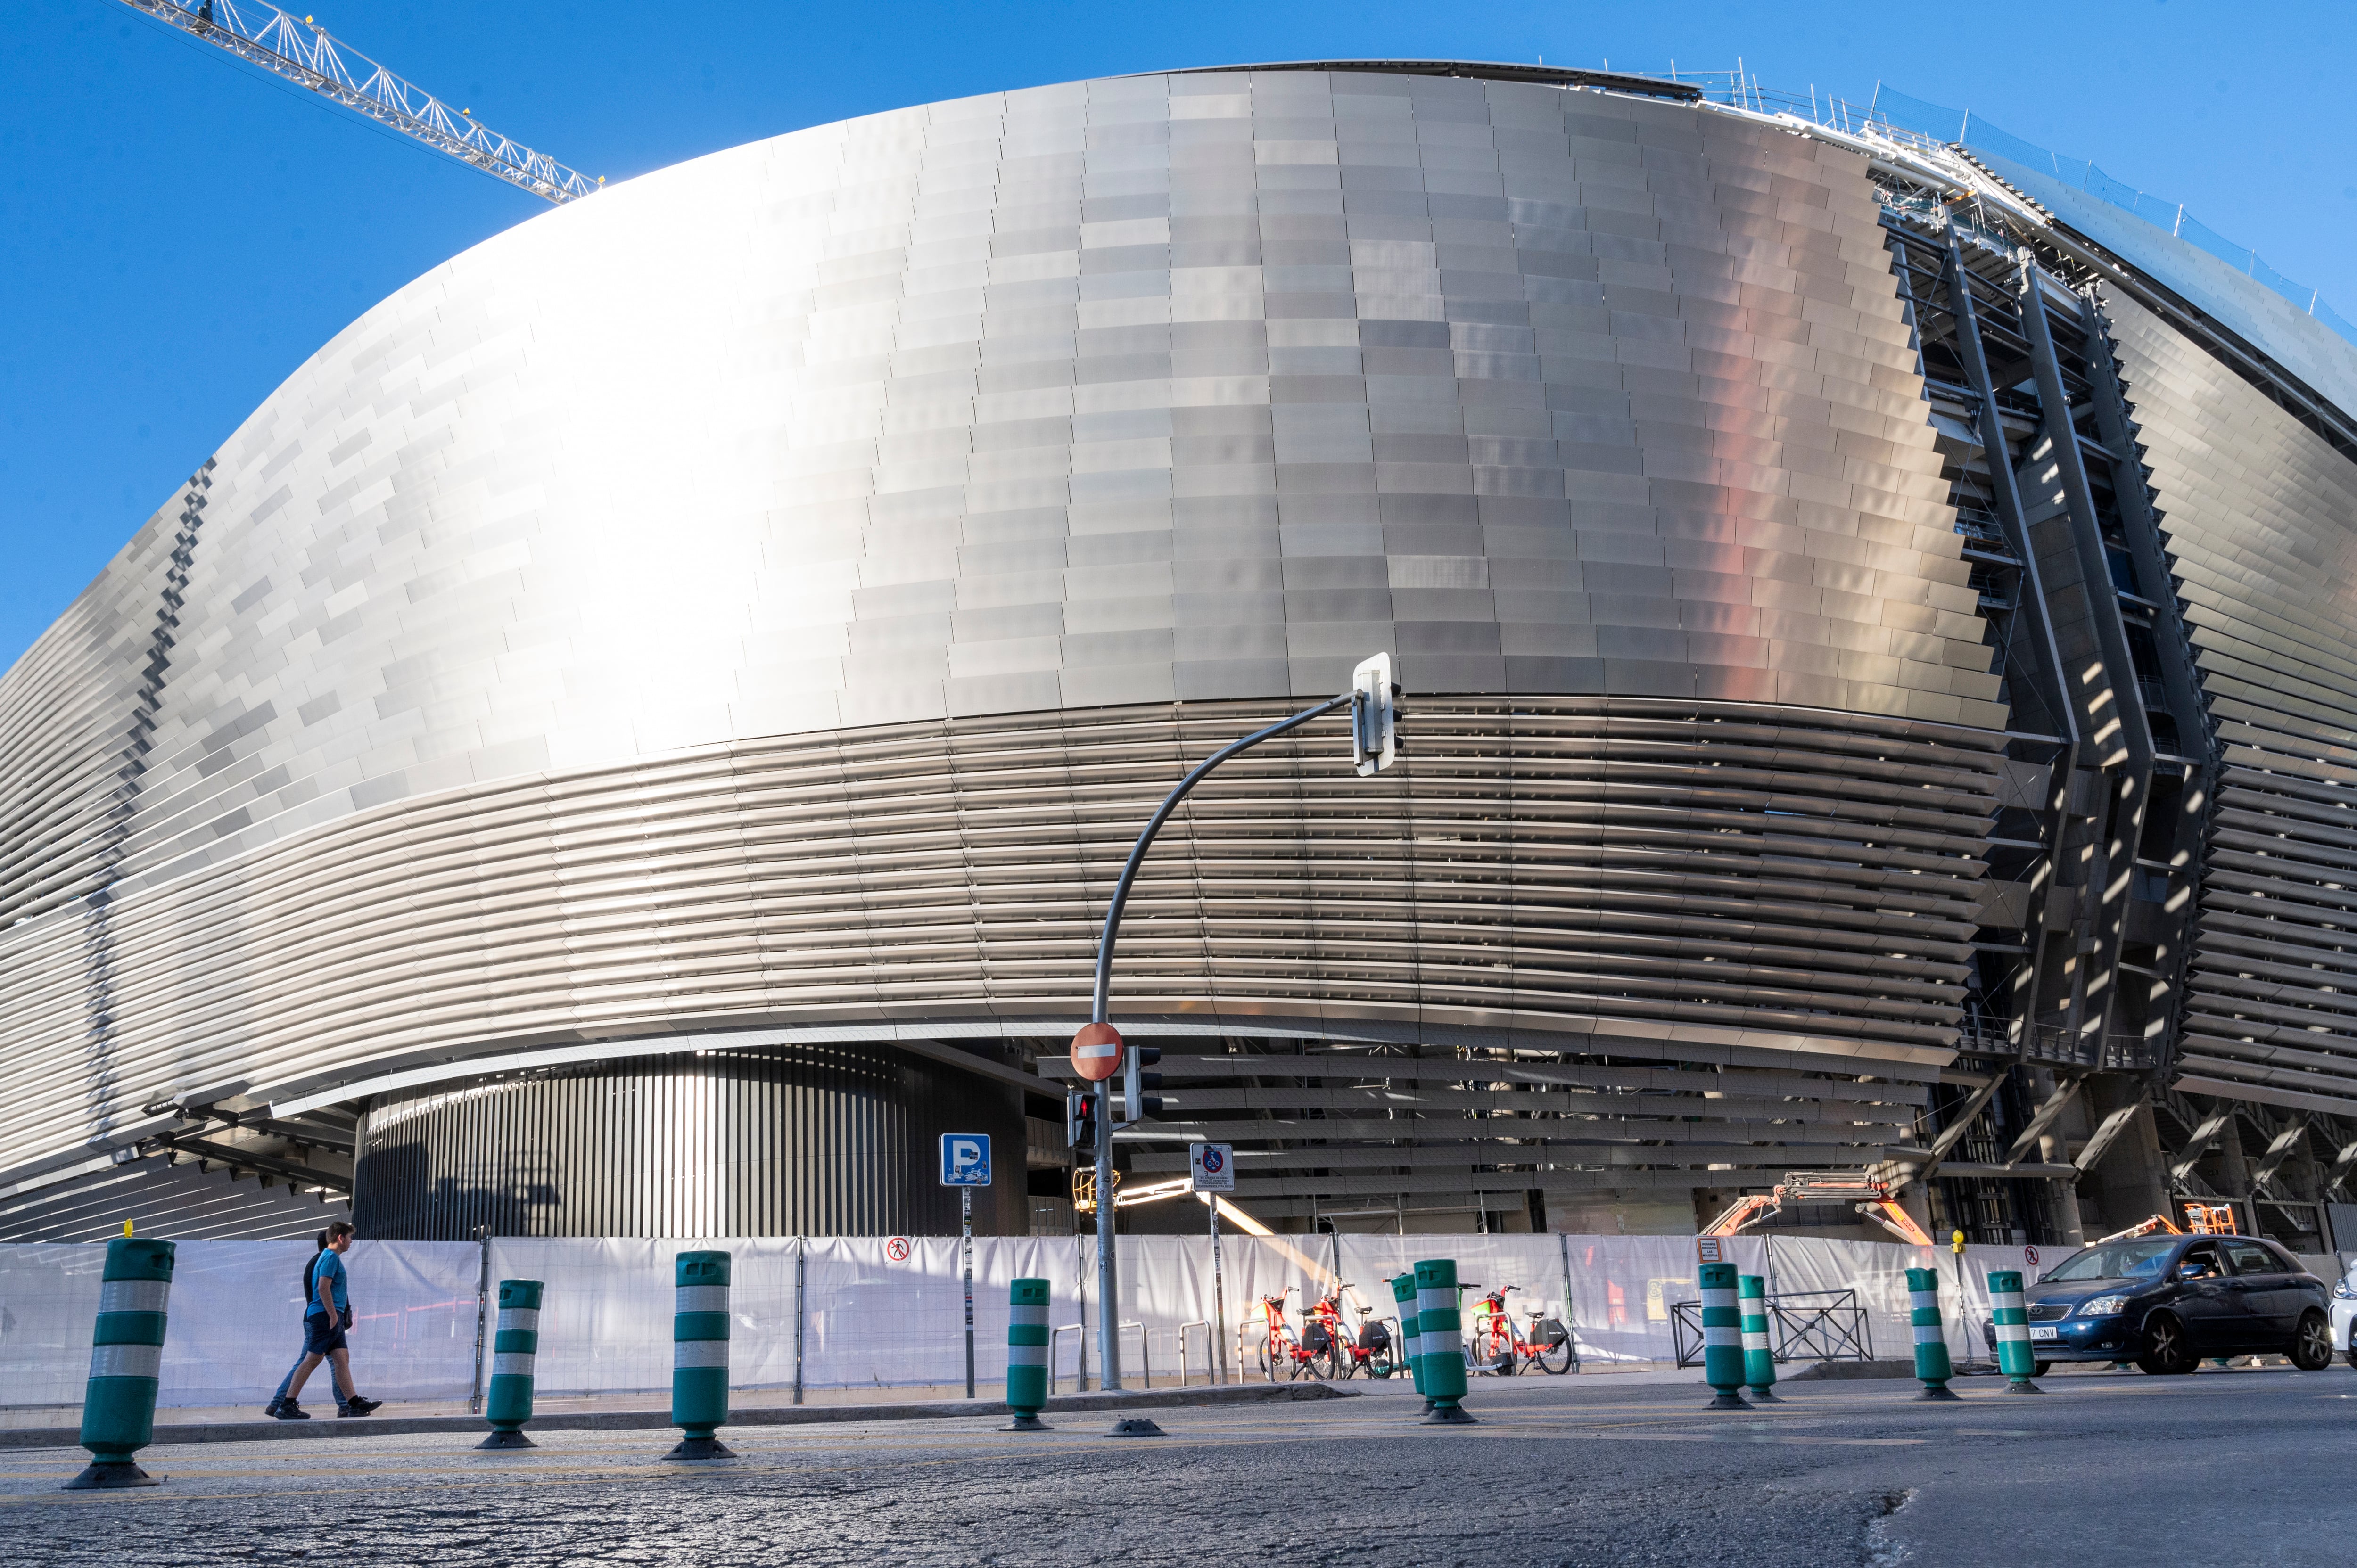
(356, 1405)
(289, 1410)
(270, 1412)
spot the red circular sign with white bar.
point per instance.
(1096, 1051)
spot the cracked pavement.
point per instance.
(2103, 1468)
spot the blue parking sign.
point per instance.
(965, 1159)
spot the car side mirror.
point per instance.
(2189, 1271)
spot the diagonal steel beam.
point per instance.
(2065, 1091)
(1953, 1133)
(2112, 1127)
(2279, 1151)
(2190, 1154)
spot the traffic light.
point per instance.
(1135, 1103)
(1081, 1113)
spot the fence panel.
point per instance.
(883, 1314)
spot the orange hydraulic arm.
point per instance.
(1870, 1193)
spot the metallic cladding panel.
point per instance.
(2261, 517)
(2227, 293)
(1690, 878)
(828, 1140)
(1111, 394)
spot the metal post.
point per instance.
(1219, 1300)
(1108, 1283)
(1570, 1313)
(482, 1303)
(801, 1260)
(1081, 1289)
(1108, 1303)
(965, 1218)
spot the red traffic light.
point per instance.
(1096, 1051)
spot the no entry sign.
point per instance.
(1096, 1052)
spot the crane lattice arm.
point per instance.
(304, 54)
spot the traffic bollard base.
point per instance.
(1135, 1427)
(1026, 1423)
(1930, 1393)
(1448, 1415)
(105, 1474)
(701, 1448)
(507, 1440)
(1728, 1398)
(1764, 1396)
(2023, 1386)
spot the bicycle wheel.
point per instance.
(1380, 1363)
(1553, 1359)
(1267, 1353)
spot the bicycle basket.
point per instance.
(1548, 1333)
(1314, 1337)
(1374, 1337)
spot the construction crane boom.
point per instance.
(302, 52)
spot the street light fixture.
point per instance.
(1098, 1051)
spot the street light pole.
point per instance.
(1369, 701)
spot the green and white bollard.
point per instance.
(1758, 1357)
(514, 1343)
(2014, 1356)
(1722, 1338)
(127, 1360)
(1931, 1364)
(1411, 1338)
(1440, 1351)
(1027, 1353)
(699, 1355)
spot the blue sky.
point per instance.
(177, 233)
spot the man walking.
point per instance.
(324, 1317)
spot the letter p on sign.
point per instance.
(965, 1159)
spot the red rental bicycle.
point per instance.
(1498, 1346)
(1280, 1351)
(1345, 1354)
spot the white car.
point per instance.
(2344, 1314)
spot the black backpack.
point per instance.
(310, 1278)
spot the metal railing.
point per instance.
(1080, 1369)
(1802, 1325)
(2057, 1046)
(1205, 1325)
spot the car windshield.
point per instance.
(2115, 1261)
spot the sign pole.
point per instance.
(1372, 702)
(965, 1165)
(965, 1217)
(1219, 1300)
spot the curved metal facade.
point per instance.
(2262, 522)
(828, 1141)
(752, 610)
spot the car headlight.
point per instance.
(2103, 1307)
(2341, 1291)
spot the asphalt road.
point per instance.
(2248, 1467)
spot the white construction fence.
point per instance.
(877, 1313)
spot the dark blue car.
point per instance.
(2166, 1303)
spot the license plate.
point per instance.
(2043, 1333)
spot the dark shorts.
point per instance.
(322, 1334)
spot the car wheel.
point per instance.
(2041, 1369)
(2166, 1353)
(2311, 1342)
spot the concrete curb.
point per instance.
(168, 1435)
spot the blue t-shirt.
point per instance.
(330, 1267)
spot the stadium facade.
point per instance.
(636, 734)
